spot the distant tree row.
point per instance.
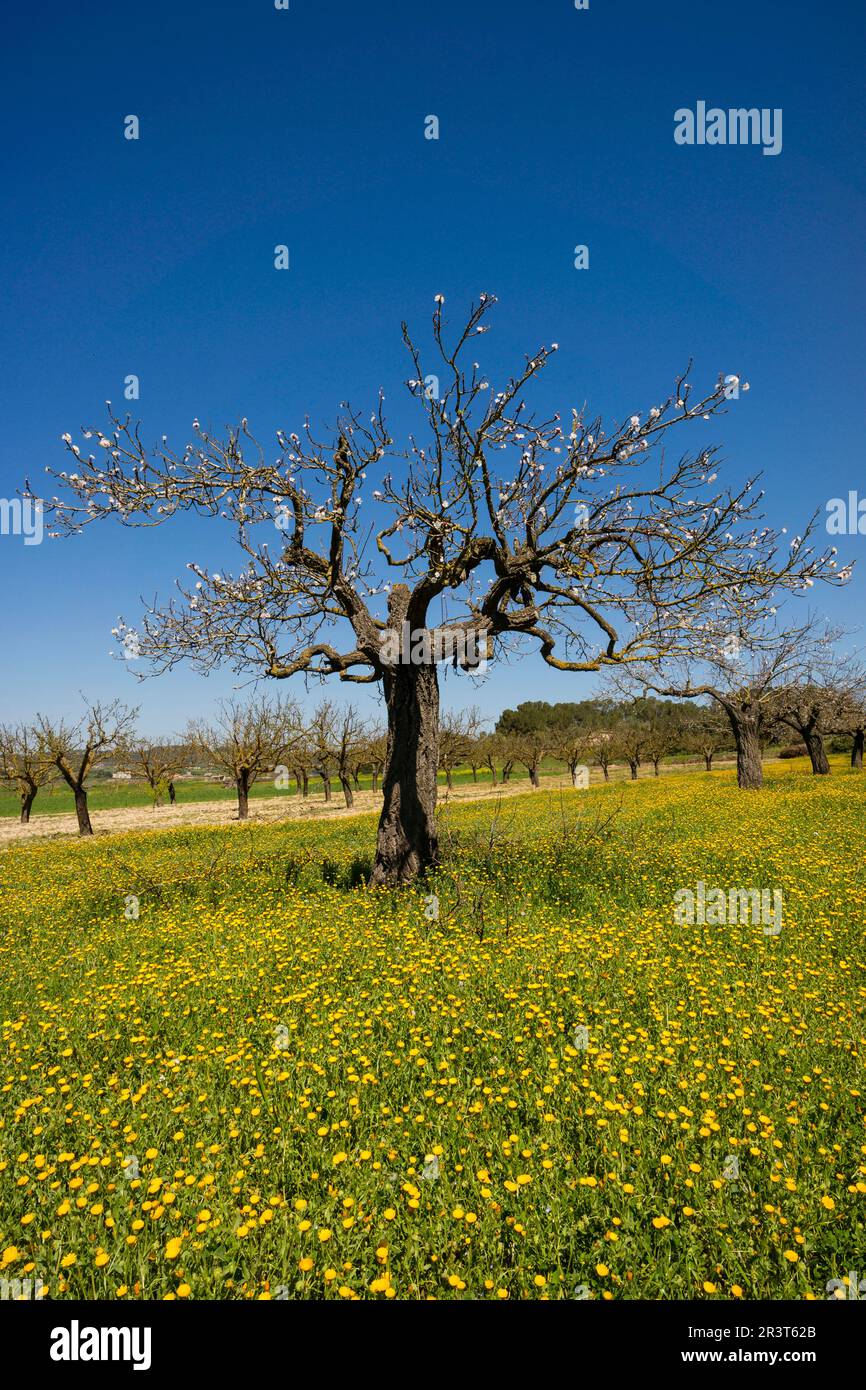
(247, 742)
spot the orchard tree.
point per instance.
(458, 732)
(745, 674)
(572, 746)
(849, 715)
(248, 741)
(75, 749)
(156, 763)
(591, 544)
(23, 764)
(707, 732)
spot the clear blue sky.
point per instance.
(306, 127)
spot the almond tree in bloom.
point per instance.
(588, 543)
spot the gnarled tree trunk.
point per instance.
(81, 811)
(28, 796)
(857, 749)
(347, 790)
(407, 843)
(814, 742)
(750, 773)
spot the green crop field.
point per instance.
(230, 1070)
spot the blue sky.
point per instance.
(306, 127)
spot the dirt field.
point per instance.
(272, 808)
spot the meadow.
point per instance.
(229, 1070)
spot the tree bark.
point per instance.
(81, 811)
(407, 843)
(243, 789)
(172, 794)
(857, 749)
(708, 761)
(633, 767)
(817, 756)
(606, 770)
(750, 773)
(27, 799)
(347, 791)
(533, 777)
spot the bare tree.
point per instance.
(601, 747)
(338, 735)
(157, 764)
(707, 733)
(630, 738)
(583, 542)
(849, 716)
(248, 741)
(76, 749)
(572, 746)
(458, 731)
(531, 748)
(23, 764)
(746, 672)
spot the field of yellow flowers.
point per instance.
(229, 1070)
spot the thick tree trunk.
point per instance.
(243, 790)
(81, 811)
(172, 794)
(407, 843)
(817, 756)
(533, 777)
(27, 799)
(347, 791)
(857, 749)
(750, 773)
(708, 761)
(633, 766)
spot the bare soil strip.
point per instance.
(264, 809)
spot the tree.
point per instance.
(601, 746)
(458, 731)
(707, 733)
(585, 543)
(806, 709)
(377, 751)
(157, 764)
(338, 736)
(76, 749)
(572, 746)
(248, 741)
(23, 764)
(530, 750)
(630, 739)
(745, 676)
(849, 716)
